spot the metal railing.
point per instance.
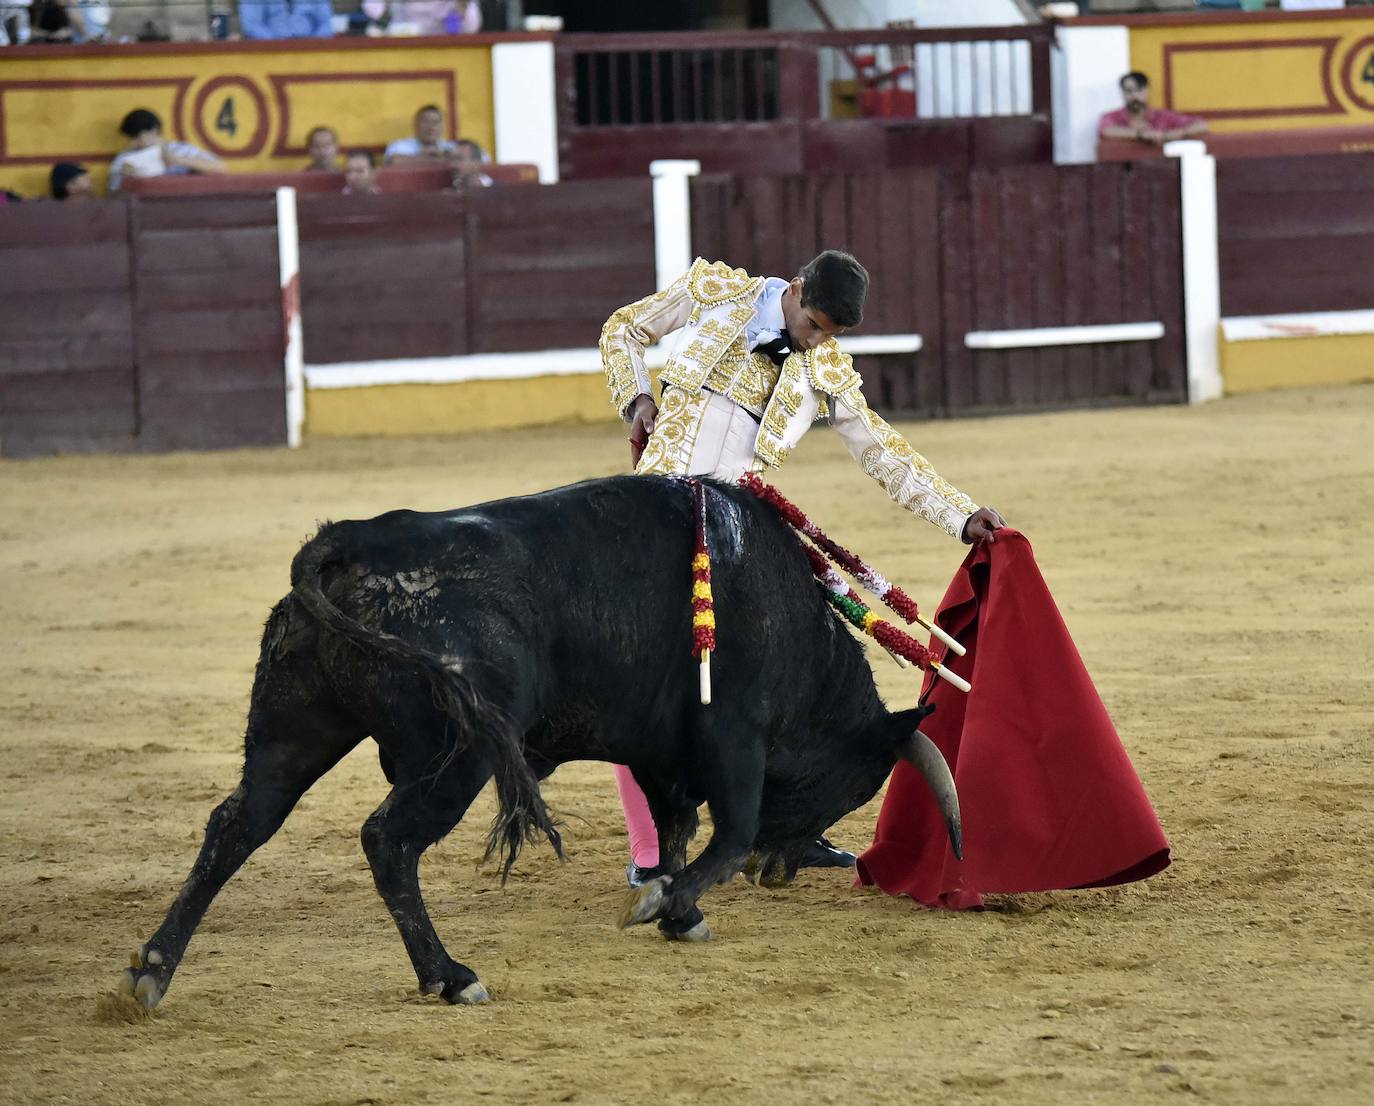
(734, 77)
(656, 87)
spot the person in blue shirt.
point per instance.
(286, 18)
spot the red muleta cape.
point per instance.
(1048, 797)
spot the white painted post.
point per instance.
(672, 218)
(1201, 268)
(523, 106)
(1086, 66)
(289, 261)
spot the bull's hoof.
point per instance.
(474, 994)
(146, 978)
(455, 984)
(644, 902)
(693, 930)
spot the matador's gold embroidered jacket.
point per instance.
(714, 303)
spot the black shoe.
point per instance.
(822, 854)
(636, 876)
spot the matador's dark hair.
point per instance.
(834, 282)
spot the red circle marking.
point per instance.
(259, 139)
(1348, 64)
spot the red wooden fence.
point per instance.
(548, 265)
(138, 325)
(386, 277)
(208, 323)
(1296, 234)
(156, 323)
(67, 375)
(1006, 249)
(383, 276)
(1072, 246)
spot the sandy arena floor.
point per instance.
(1213, 565)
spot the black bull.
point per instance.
(506, 639)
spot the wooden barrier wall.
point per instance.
(383, 276)
(386, 277)
(156, 323)
(950, 253)
(208, 326)
(140, 325)
(549, 265)
(1296, 234)
(67, 377)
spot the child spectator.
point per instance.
(69, 181)
(147, 155)
(324, 149)
(360, 174)
(467, 166)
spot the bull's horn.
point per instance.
(930, 762)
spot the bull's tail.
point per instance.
(480, 724)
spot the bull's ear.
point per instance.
(905, 721)
(920, 751)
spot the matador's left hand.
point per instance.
(983, 524)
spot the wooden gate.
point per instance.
(991, 250)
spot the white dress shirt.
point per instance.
(768, 322)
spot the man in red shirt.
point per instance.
(1138, 121)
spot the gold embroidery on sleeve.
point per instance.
(909, 479)
(675, 433)
(616, 358)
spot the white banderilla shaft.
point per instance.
(939, 634)
(945, 674)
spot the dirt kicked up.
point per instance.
(1213, 565)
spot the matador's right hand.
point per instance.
(643, 415)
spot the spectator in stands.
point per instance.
(439, 17)
(324, 150)
(14, 22)
(95, 20)
(428, 144)
(467, 166)
(360, 174)
(286, 18)
(55, 21)
(69, 181)
(1142, 123)
(147, 155)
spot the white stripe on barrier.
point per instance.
(1310, 324)
(1063, 335)
(516, 366)
(881, 343)
(289, 262)
(453, 370)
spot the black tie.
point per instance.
(776, 350)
